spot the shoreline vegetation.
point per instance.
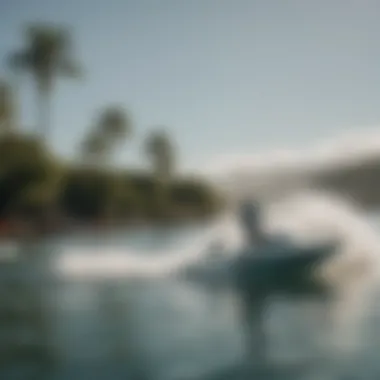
(41, 193)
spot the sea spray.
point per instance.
(352, 274)
(307, 217)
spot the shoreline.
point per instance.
(13, 230)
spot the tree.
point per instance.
(114, 123)
(112, 126)
(160, 150)
(6, 108)
(29, 174)
(46, 55)
(87, 193)
(192, 196)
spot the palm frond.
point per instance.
(114, 122)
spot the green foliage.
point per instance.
(28, 174)
(114, 123)
(31, 179)
(34, 182)
(86, 193)
(112, 127)
(149, 191)
(6, 107)
(47, 54)
(186, 193)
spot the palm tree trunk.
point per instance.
(44, 113)
(16, 102)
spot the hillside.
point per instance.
(359, 181)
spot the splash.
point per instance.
(352, 273)
(104, 261)
(308, 216)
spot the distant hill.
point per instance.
(359, 181)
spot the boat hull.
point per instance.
(285, 272)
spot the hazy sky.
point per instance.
(225, 76)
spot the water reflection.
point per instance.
(165, 329)
(26, 325)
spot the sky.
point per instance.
(226, 77)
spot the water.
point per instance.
(128, 317)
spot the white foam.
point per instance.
(308, 216)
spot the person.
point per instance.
(254, 234)
(249, 215)
(251, 307)
(252, 300)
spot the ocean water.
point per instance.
(116, 307)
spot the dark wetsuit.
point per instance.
(251, 308)
(250, 222)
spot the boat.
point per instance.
(282, 269)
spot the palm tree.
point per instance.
(46, 55)
(114, 124)
(111, 127)
(6, 108)
(161, 152)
